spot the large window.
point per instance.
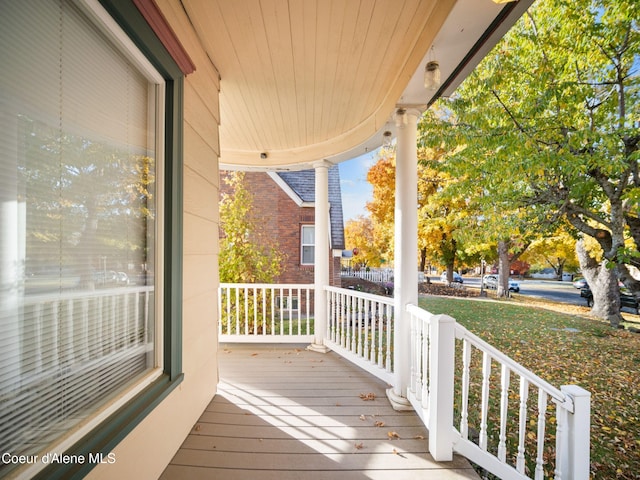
(81, 217)
(308, 244)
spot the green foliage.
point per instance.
(546, 128)
(247, 253)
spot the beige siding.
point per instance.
(145, 453)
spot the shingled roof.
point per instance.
(303, 184)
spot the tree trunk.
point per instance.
(423, 259)
(450, 273)
(504, 271)
(604, 287)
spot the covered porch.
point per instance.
(472, 399)
(283, 412)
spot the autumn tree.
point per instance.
(382, 177)
(549, 125)
(247, 254)
(438, 217)
(359, 233)
(557, 251)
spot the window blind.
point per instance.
(77, 219)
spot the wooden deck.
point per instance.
(283, 413)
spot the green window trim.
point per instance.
(114, 429)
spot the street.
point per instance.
(563, 292)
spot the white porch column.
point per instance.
(321, 257)
(406, 250)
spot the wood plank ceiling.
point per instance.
(306, 80)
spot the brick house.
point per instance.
(284, 203)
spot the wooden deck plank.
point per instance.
(284, 413)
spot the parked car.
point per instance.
(579, 282)
(627, 299)
(457, 278)
(491, 281)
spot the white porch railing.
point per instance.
(360, 328)
(83, 342)
(473, 399)
(258, 312)
(500, 428)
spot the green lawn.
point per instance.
(569, 349)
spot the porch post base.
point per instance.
(318, 348)
(399, 404)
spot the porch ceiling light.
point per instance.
(432, 75)
(386, 139)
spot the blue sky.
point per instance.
(356, 191)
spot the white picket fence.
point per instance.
(377, 275)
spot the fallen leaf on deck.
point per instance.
(359, 446)
(368, 396)
(393, 435)
(362, 417)
(379, 424)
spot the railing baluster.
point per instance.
(307, 306)
(389, 333)
(542, 410)
(341, 313)
(251, 302)
(358, 317)
(263, 294)
(237, 310)
(365, 327)
(466, 365)
(415, 374)
(423, 357)
(524, 397)
(345, 325)
(561, 426)
(355, 325)
(486, 374)
(298, 310)
(504, 411)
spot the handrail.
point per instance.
(434, 352)
(463, 334)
